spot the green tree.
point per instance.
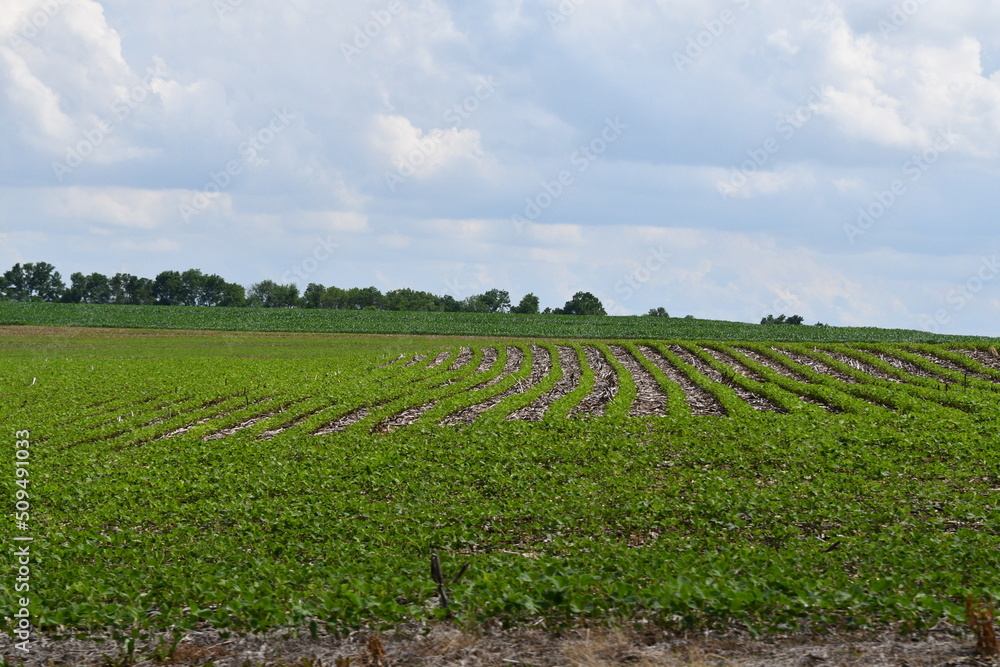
(168, 289)
(527, 306)
(657, 312)
(583, 303)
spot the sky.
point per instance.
(726, 159)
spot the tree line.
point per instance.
(40, 281)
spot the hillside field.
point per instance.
(250, 481)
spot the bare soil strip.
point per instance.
(404, 418)
(438, 360)
(239, 427)
(267, 435)
(514, 359)
(701, 402)
(464, 357)
(415, 360)
(650, 399)
(390, 363)
(985, 357)
(342, 423)
(903, 365)
(541, 363)
(818, 366)
(736, 365)
(775, 366)
(490, 355)
(860, 365)
(755, 401)
(571, 373)
(188, 427)
(605, 385)
(446, 645)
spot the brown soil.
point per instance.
(605, 385)
(755, 401)
(415, 360)
(905, 366)
(188, 427)
(404, 418)
(464, 357)
(445, 645)
(778, 368)
(985, 357)
(239, 427)
(440, 359)
(571, 373)
(700, 401)
(737, 366)
(541, 364)
(490, 355)
(337, 425)
(818, 366)
(650, 399)
(860, 365)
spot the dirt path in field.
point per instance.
(444, 645)
(700, 401)
(755, 401)
(245, 424)
(650, 399)
(541, 364)
(569, 381)
(605, 385)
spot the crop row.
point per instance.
(546, 381)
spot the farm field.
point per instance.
(256, 481)
(453, 324)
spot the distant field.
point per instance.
(251, 481)
(452, 324)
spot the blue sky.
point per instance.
(723, 158)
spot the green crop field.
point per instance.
(251, 481)
(453, 324)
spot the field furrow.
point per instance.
(605, 384)
(700, 401)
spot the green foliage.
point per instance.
(781, 319)
(582, 303)
(881, 512)
(658, 312)
(527, 306)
